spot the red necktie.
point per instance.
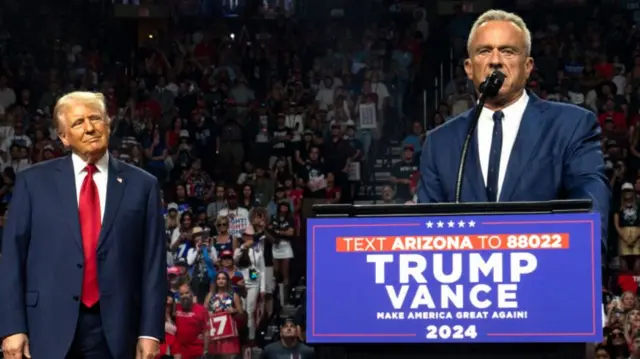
(90, 222)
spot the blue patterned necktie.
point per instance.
(494, 157)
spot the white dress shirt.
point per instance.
(510, 125)
(100, 177)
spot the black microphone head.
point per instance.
(492, 84)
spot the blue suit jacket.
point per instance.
(557, 155)
(42, 259)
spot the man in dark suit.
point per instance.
(84, 261)
(524, 148)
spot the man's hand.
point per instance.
(147, 348)
(16, 347)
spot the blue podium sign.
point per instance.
(506, 278)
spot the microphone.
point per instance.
(489, 88)
(491, 85)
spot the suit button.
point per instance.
(79, 266)
(76, 298)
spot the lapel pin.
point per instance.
(119, 179)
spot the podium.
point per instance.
(473, 280)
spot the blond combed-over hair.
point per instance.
(95, 100)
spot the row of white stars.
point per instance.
(451, 224)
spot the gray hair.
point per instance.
(500, 15)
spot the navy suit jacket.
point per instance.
(557, 155)
(42, 259)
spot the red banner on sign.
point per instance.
(222, 326)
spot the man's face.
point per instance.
(628, 197)
(408, 154)
(609, 105)
(15, 152)
(417, 128)
(195, 166)
(180, 191)
(335, 131)
(18, 128)
(313, 155)
(387, 194)
(232, 198)
(85, 131)
(186, 297)
(499, 45)
(220, 192)
(288, 330)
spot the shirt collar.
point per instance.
(515, 110)
(79, 164)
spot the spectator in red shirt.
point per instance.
(604, 68)
(627, 282)
(611, 114)
(151, 106)
(191, 326)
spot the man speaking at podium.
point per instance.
(524, 148)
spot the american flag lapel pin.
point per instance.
(119, 179)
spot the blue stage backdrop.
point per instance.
(507, 278)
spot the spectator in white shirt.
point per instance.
(325, 94)
(18, 138)
(294, 120)
(238, 216)
(20, 159)
(249, 257)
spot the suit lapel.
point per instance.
(66, 183)
(473, 179)
(115, 190)
(529, 135)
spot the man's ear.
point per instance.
(529, 66)
(468, 68)
(63, 138)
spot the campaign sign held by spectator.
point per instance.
(508, 278)
(222, 326)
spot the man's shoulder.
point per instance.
(273, 347)
(304, 349)
(566, 110)
(135, 173)
(568, 115)
(43, 168)
(452, 127)
(200, 309)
